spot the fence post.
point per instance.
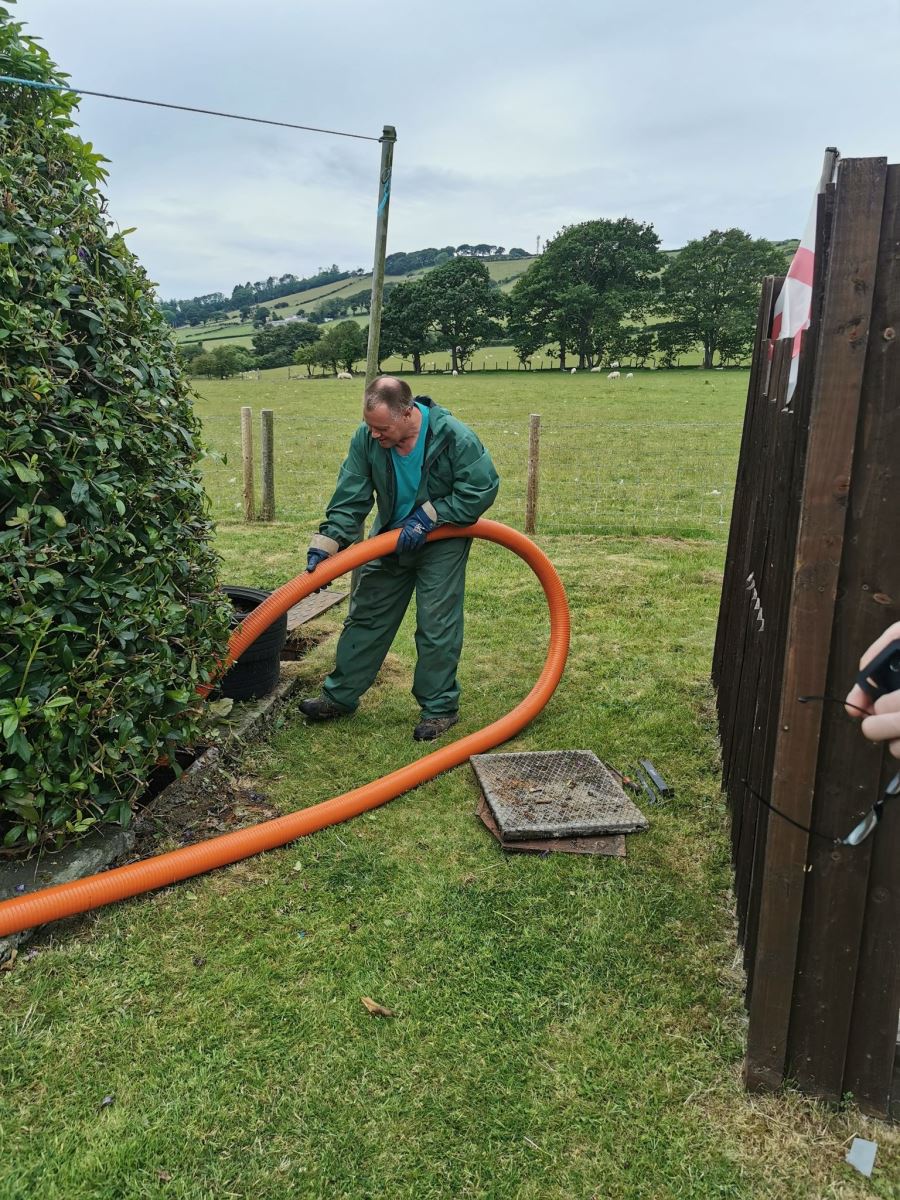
(534, 454)
(247, 459)
(267, 512)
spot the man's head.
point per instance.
(389, 411)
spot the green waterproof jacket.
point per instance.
(459, 480)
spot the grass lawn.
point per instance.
(566, 1027)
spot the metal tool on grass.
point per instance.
(652, 797)
(655, 778)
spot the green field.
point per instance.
(653, 454)
(567, 1027)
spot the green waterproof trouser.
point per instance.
(437, 574)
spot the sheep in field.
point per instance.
(594, 370)
(344, 375)
(574, 369)
(630, 375)
(456, 372)
(613, 375)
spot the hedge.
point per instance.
(109, 608)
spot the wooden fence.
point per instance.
(812, 577)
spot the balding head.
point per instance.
(394, 393)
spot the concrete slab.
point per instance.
(555, 794)
(313, 606)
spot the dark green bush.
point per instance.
(109, 610)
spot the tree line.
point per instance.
(602, 291)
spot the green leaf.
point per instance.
(55, 515)
(26, 474)
(59, 701)
(10, 725)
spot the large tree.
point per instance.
(710, 290)
(343, 345)
(406, 324)
(590, 279)
(275, 345)
(463, 304)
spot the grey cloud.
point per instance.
(514, 118)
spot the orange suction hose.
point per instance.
(67, 899)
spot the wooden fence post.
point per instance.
(534, 454)
(267, 512)
(247, 459)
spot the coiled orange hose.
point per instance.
(67, 899)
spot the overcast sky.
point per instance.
(513, 118)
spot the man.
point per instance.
(424, 468)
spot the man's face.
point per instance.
(387, 429)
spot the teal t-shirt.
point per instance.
(408, 473)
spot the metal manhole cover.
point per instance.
(555, 793)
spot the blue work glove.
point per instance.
(414, 531)
(314, 557)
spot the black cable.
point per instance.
(209, 112)
(834, 841)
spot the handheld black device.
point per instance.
(882, 674)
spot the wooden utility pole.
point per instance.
(387, 139)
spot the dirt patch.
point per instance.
(221, 804)
(300, 642)
(669, 542)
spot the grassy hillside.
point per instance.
(230, 330)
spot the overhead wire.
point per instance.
(209, 112)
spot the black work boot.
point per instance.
(320, 708)
(430, 728)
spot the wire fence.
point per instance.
(669, 478)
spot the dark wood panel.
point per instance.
(835, 405)
(869, 600)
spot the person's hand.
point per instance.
(883, 722)
(414, 530)
(314, 557)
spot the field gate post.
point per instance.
(534, 456)
(247, 461)
(267, 512)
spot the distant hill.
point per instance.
(247, 296)
(229, 325)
